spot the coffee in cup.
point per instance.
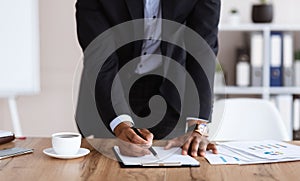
(66, 143)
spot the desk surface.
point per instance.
(37, 166)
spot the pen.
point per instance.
(140, 135)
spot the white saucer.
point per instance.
(81, 152)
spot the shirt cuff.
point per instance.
(196, 119)
(122, 118)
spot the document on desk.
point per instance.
(254, 152)
(167, 158)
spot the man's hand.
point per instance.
(130, 143)
(192, 143)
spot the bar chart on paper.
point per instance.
(268, 151)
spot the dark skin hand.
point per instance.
(131, 144)
(192, 143)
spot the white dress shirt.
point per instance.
(152, 32)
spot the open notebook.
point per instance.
(167, 158)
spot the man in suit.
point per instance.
(96, 16)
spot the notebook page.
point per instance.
(172, 155)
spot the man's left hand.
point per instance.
(192, 143)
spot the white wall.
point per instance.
(52, 110)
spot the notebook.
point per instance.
(167, 158)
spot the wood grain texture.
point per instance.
(95, 166)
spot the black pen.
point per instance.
(140, 135)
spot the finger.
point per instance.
(170, 144)
(134, 138)
(178, 141)
(202, 147)
(123, 138)
(185, 147)
(130, 149)
(195, 146)
(147, 135)
(135, 153)
(212, 147)
(138, 150)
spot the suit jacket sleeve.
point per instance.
(204, 19)
(91, 22)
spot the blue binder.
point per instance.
(276, 59)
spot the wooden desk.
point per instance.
(37, 166)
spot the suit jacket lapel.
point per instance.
(136, 11)
(136, 8)
(166, 6)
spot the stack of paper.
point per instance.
(254, 152)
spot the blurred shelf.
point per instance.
(259, 27)
(284, 90)
(256, 90)
(239, 90)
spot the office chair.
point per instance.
(246, 119)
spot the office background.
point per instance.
(52, 110)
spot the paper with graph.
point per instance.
(254, 152)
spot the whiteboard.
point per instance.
(19, 47)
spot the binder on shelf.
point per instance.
(287, 59)
(256, 58)
(276, 59)
(242, 67)
(284, 103)
(297, 73)
(296, 117)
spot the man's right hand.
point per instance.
(130, 143)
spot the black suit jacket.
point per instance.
(95, 16)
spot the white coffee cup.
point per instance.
(66, 143)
